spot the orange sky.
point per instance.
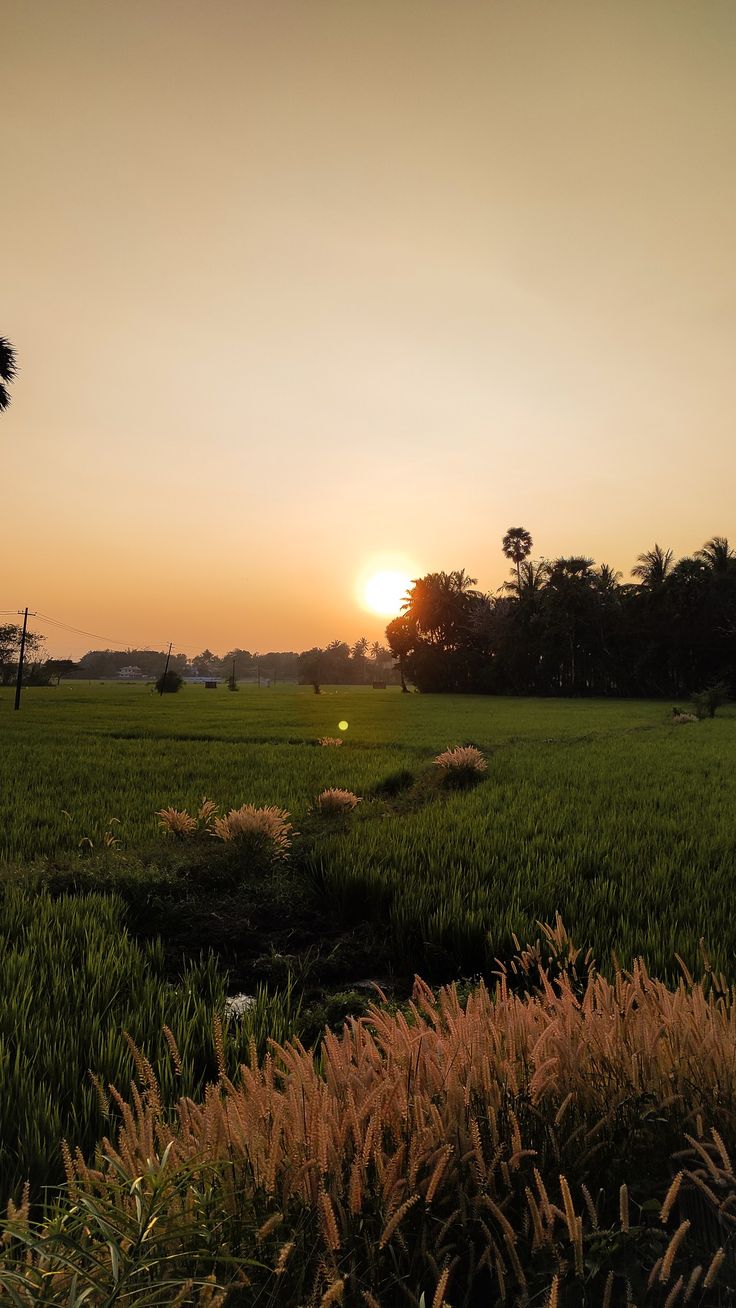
(294, 285)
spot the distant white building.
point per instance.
(131, 673)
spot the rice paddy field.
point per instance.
(118, 1033)
(602, 811)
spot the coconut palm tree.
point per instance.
(359, 653)
(606, 579)
(531, 580)
(8, 370)
(438, 602)
(653, 567)
(717, 553)
(517, 546)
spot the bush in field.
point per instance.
(263, 832)
(333, 802)
(713, 697)
(169, 683)
(568, 1145)
(462, 765)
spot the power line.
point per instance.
(96, 635)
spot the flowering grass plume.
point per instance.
(181, 824)
(465, 761)
(264, 830)
(418, 1140)
(177, 822)
(334, 801)
(206, 814)
(330, 740)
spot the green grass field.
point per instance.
(601, 810)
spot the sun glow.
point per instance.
(384, 592)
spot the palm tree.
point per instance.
(437, 602)
(532, 578)
(359, 652)
(607, 579)
(653, 567)
(517, 546)
(8, 371)
(717, 553)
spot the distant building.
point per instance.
(131, 673)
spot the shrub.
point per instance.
(169, 683)
(264, 831)
(333, 801)
(713, 697)
(330, 740)
(463, 764)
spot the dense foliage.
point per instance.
(567, 627)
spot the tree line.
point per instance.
(567, 626)
(337, 663)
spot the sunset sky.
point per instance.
(302, 290)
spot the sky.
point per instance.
(302, 290)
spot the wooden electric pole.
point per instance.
(19, 680)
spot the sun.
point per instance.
(384, 592)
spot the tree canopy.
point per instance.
(8, 371)
(567, 626)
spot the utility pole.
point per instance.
(166, 668)
(19, 681)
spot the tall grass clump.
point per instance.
(569, 1144)
(73, 983)
(334, 802)
(183, 825)
(462, 765)
(265, 832)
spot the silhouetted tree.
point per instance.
(10, 635)
(359, 654)
(569, 627)
(653, 567)
(717, 554)
(8, 371)
(517, 545)
(401, 637)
